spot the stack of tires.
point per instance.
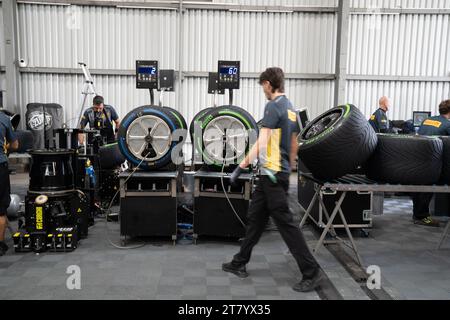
(341, 140)
(148, 136)
(337, 143)
(225, 135)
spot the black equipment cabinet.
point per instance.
(148, 204)
(213, 215)
(357, 207)
(55, 224)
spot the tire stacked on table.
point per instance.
(337, 143)
(341, 142)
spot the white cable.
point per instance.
(226, 194)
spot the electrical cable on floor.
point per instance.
(110, 205)
(225, 192)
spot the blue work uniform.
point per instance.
(435, 126)
(279, 116)
(379, 121)
(100, 120)
(7, 135)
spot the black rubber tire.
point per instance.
(445, 174)
(198, 117)
(181, 122)
(407, 160)
(13, 117)
(233, 111)
(170, 116)
(26, 140)
(346, 143)
(110, 156)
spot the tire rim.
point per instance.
(225, 129)
(149, 135)
(322, 124)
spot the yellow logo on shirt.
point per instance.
(432, 123)
(372, 118)
(292, 116)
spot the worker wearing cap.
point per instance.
(100, 117)
(434, 126)
(379, 120)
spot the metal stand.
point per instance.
(148, 204)
(329, 226)
(88, 89)
(355, 183)
(213, 216)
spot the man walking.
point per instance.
(277, 150)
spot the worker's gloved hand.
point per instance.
(235, 175)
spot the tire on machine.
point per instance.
(110, 156)
(225, 117)
(408, 160)
(25, 139)
(337, 143)
(135, 135)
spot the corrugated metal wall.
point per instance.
(435, 4)
(113, 38)
(408, 45)
(414, 45)
(107, 38)
(324, 3)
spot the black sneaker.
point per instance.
(428, 222)
(308, 285)
(240, 271)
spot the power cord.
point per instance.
(225, 192)
(109, 210)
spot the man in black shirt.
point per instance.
(379, 120)
(277, 150)
(100, 117)
(434, 126)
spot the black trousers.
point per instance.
(421, 205)
(4, 188)
(271, 199)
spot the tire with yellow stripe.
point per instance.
(407, 160)
(234, 112)
(337, 143)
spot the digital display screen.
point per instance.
(229, 70)
(147, 74)
(229, 74)
(147, 70)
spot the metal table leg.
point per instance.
(311, 205)
(444, 235)
(325, 211)
(355, 250)
(330, 221)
